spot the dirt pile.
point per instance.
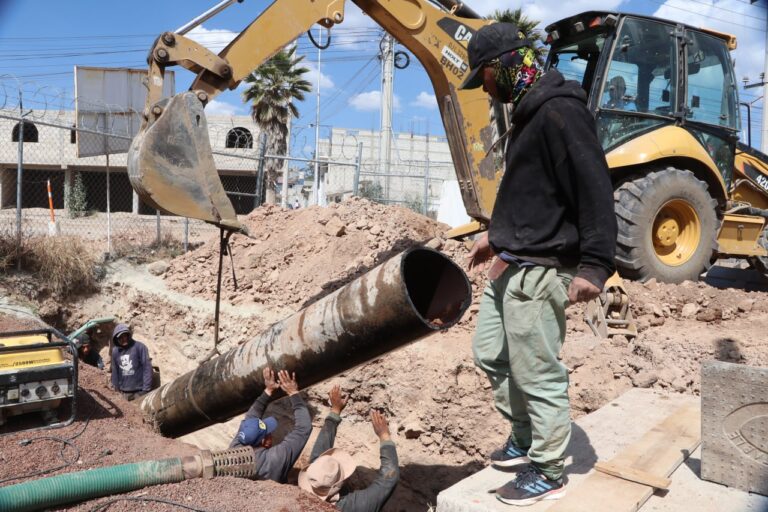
(294, 257)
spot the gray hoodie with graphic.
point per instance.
(131, 365)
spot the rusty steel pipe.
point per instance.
(413, 294)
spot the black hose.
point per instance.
(327, 44)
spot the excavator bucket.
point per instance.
(609, 314)
(171, 166)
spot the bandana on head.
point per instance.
(515, 73)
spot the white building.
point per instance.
(418, 166)
(49, 153)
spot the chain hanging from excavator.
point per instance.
(171, 164)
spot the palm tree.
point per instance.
(273, 90)
(527, 26)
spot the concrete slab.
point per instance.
(600, 436)
(735, 425)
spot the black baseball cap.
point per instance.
(488, 43)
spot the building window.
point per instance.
(239, 138)
(30, 132)
(73, 135)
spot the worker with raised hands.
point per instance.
(330, 467)
(274, 461)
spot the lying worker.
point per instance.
(553, 229)
(86, 353)
(275, 461)
(131, 364)
(330, 468)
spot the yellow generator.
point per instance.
(37, 374)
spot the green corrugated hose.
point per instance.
(86, 485)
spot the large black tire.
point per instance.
(760, 263)
(668, 227)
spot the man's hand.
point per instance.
(270, 384)
(337, 401)
(582, 290)
(288, 382)
(380, 426)
(479, 257)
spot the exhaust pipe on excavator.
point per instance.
(413, 294)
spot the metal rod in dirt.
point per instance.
(414, 294)
(210, 13)
(157, 217)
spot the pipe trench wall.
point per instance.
(413, 294)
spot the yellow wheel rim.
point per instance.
(676, 232)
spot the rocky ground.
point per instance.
(439, 404)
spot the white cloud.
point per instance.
(370, 102)
(214, 39)
(326, 83)
(222, 108)
(425, 100)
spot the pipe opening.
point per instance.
(437, 287)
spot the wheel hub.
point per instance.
(676, 232)
(667, 231)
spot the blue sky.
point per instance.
(42, 40)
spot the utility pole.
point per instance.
(316, 183)
(426, 173)
(284, 201)
(387, 96)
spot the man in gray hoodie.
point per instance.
(131, 364)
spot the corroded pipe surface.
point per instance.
(413, 294)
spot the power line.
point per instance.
(663, 3)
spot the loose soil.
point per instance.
(439, 404)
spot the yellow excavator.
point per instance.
(663, 94)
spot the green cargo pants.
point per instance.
(520, 330)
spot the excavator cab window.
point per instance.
(578, 60)
(641, 74)
(639, 90)
(712, 95)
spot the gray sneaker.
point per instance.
(529, 487)
(510, 455)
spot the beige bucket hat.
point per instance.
(326, 475)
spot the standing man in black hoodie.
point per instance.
(553, 231)
(131, 364)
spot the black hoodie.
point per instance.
(555, 201)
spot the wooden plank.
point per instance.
(659, 452)
(633, 475)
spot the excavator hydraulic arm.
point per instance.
(171, 165)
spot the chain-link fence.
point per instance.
(48, 186)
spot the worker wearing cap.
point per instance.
(86, 352)
(553, 232)
(274, 461)
(131, 364)
(330, 467)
